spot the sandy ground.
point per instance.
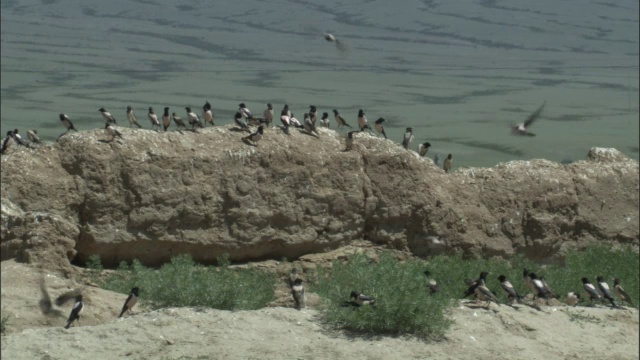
(283, 333)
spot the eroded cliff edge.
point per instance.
(154, 195)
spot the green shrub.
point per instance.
(403, 303)
(182, 282)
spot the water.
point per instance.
(457, 72)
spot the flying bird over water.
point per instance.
(522, 129)
(107, 116)
(339, 44)
(379, 128)
(132, 117)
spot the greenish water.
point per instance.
(457, 72)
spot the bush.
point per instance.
(403, 303)
(182, 282)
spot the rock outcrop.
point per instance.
(154, 195)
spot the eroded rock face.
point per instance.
(155, 195)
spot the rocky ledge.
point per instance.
(154, 195)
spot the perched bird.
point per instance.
(473, 284)
(349, 141)
(77, 308)
(256, 136)
(360, 299)
(285, 119)
(295, 122)
(154, 119)
(246, 113)
(8, 141)
(379, 128)
(309, 125)
(207, 114)
(17, 138)
(523, 128)
(194, 120)
(111, 131)
(511, 292)
(483, 293)
(540, 291)
(66, 122)
(617, 288)
(324, 120)
(267, 115)
(132, 117)
(107, 116)
(590, 289)
(132, 299)
(606, 292)
(313, 114)
(573, 298)
(178, 121)
(424, 148)
(447, 163)
(285, 108)
(339, 119)
(240, 122)
(362, 120)
(297, 290)
(408, 138)
(166, 119)
(339, 44)
(33, 136)
(547, 288)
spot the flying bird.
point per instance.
(132, 299)
(132, 117)
(522, 129)
(339, 44)
(379, 128)
(76, 311)
(408, 138)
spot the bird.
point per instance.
(285, 108)
(8, 141)
(447, 163)
(379, 128)
(511, 292)
(408, 138)
(242, 108)
(547, 288)
(107, 116)
(309, 125)
(207, 114)
(617, 288)
(423, 148)
(267, 115)
(313, 114)
(362, 120)
(194, 120)
(483, 293)
(473, 284)
(295, 122)
(166, 119)
(527, 280)
(17, 138)
(339, 119)
(132, 299)
(297, 290)
(606, 292)
(339, 44)
(540, 290)
(178, 121)
(573, 298)
(33, 136)
(349, 141)
(285, 120)
(522, 129)
(360, 299)
(154, 119)
(256, 136)
(324, 120)
(590, 289)
(132, 117)
(66, 122)
(240, 122)
(76, 311)
(111, 131)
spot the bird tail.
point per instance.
(123, 311)
(384, 134)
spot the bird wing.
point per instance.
(534, 116)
